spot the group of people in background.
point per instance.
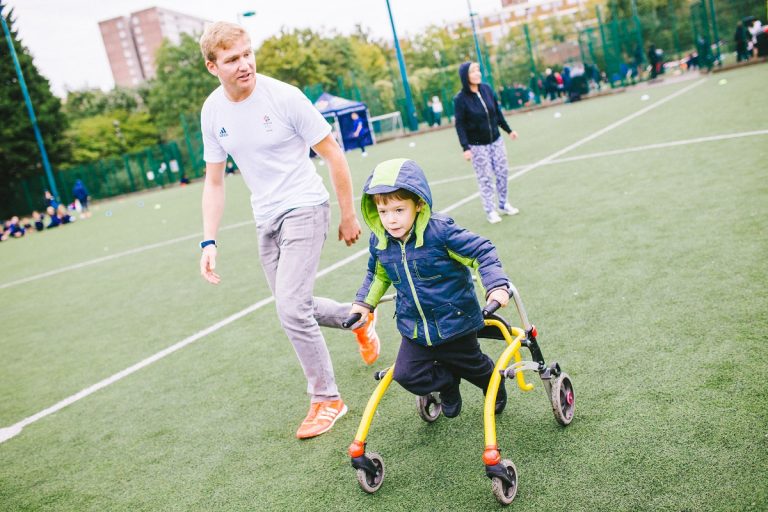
(52, 215)
(751, 39)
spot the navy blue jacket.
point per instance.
(436, 299)
(477, 122)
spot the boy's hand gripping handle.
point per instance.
(491, 308)
(351, 320)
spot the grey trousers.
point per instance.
(491, 168)
(289, 249)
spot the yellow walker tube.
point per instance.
(357, 448)
(491, 455)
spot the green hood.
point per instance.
(387, 177)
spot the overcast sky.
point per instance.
(64, 39)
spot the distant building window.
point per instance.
(135, 21)
(122, 34)
(119, 24)
(137, 29)
(135, 81)
(126, 54)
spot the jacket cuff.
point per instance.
(504, 287)
(465, 147)
(365, 305)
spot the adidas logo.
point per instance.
(223, 132)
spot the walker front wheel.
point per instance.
(429, 407)
(371, 481)
(563, 399)
(505, 491)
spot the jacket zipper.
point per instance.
(413, 292)
(487, 114)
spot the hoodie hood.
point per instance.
(387, 177)
(464, 75)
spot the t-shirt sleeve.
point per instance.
(212, 150)
(308, 122)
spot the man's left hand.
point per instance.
(349, 230)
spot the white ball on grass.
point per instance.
(558, 115)
(412, 145)
(644, 97)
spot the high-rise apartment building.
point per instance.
(131, 41)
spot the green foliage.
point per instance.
(19, 152)
(93, 102)
(103, 136)
(181, 85)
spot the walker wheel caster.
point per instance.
(504, 491)
(370, 482)
(429, 407)
(563, 399)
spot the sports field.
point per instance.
(640, 254)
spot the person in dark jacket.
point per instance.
(478, 119)
(427, 257)
(81, 194)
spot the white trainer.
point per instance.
(510, 210)
(494, 218)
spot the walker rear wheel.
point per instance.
(370, 482)
(563, 399)
(429, 407)
(504, 491)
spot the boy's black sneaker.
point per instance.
(451, 401)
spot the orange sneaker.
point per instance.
(321, 417)
(368, 339)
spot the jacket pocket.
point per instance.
(450, 319)
(390, 264)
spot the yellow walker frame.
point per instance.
(502, 472)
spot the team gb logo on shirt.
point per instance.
(267, 123)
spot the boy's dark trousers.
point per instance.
(416, 369)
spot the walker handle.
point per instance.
(351, 320)
(491, 308)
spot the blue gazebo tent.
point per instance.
(339, 111)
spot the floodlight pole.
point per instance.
(30, 108)
(413, 123)
(477, 43)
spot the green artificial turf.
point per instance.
(644, 271)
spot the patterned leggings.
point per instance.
(490, 163)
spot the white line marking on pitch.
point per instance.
(15, 429)
(436, 182)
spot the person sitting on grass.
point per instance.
(54, 220)
(426, 257)
(38, 220)
(64, 215)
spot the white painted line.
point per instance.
(88, 263)
(15, 429)
(712, 138)
(524, 169)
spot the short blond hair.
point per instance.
(220, 36)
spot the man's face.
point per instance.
(235, 67)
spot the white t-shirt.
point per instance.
(268, 135)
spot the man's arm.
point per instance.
(213, 208)
(329, 150)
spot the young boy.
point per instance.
(426, 257)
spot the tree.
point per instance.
(19, 153)
(107, 135)
(94, 102)
(181, 85)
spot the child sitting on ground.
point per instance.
(426, 257)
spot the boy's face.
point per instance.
(398, 215)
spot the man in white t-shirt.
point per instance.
(267, 126)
